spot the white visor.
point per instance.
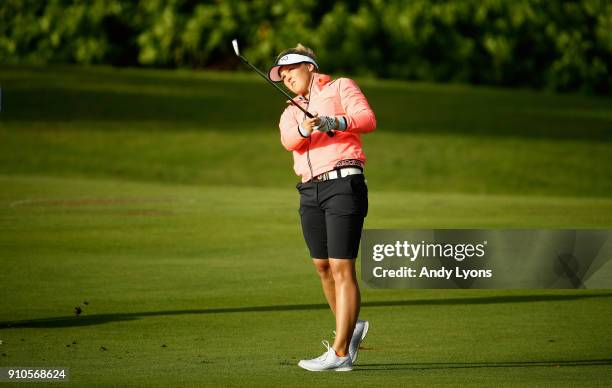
(289, 59)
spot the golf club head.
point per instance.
(235, 44)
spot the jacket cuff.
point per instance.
(303, 132)
(341, 123)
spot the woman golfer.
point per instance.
(327, 155)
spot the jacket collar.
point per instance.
(319, 81)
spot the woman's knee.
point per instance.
(323, 268)
(343, 272)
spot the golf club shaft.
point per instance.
(276, 86)
(310, 115)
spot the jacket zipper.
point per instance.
(309, 138)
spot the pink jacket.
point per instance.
(341, 97)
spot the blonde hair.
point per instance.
(299, 49)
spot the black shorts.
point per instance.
(332, 214)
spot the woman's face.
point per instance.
(297, 77)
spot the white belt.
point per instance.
(335, 174)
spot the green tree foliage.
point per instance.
(560, 45)
(95, 31)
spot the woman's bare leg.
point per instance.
(327, 281)
(348, 301)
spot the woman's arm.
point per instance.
(291, 137)
(359, 116)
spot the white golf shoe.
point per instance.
(360, 332)
(328, 361)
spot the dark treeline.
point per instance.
(543, 44)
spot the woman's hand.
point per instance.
(321, 124)
(310, 124)
(327, 124)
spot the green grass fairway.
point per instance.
(221, 277)
(165, 201)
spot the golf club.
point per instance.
(237, 51)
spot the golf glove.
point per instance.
(329, 123)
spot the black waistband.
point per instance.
(349, 163)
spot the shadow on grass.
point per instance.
(473, 365)
(96, 319)
(212, 104)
